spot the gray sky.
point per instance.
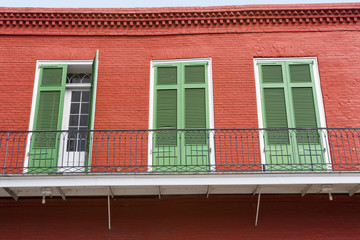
(150, 3)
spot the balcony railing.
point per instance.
(180, 151)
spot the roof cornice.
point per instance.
(127, 21)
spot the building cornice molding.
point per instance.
(108, 20)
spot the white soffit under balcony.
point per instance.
(166, 184)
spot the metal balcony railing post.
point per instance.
(6, 150)
(309, 142)
(107, 152)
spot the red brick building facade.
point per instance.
(232, 48)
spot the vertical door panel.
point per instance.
(196, 142)
(310, 150)
(44, 148)
(165, 150)
(279, 152)
(94, 74)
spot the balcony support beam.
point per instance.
(111, 193)
(354, 190)
(257, 210)
(256, 190)
(61, 192)
(11, 193)
(109, 213)
(306, 189)
(208, 191)
(159, 191)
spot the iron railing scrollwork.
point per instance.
(180, 151)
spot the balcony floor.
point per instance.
(180, 184)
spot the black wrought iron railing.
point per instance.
(179, 151)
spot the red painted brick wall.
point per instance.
(186, 217)
(124, 73)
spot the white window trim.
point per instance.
(210, 99)
(39, 63)
(319, 99)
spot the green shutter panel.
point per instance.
(195, 74)
(180, 102)
(275, 115)
(289, 102)
(51, 77)
(195, 112)
(304, 107)
(277, 142)
(166, 116)
(48, 117)
(165, 149)
(305, 115)
(310, 151)
(271, 74)
(195, 115)
(275, 108)
(166, 109)
(48, 111)
(94, 74)
(166, 75)
(300, 73)
(196, 144)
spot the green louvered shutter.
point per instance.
(278, 150)
(94, 74)
(195, 115)
(196, 142)
(304, 107)
(308, 141)
(276, 115)
(289, 101)
(166, 76)
(272, 74)
(195, 74)
(44, 150)
(166, 116)
(180, 102)
(300, 73)
(309, 144)
(165, 149)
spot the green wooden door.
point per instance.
(180, 102)
(44, 148)
(278, 147)
(289, 101)
(305, 115)
(89, 140)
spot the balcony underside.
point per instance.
(184, 184)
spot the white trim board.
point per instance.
(279, 179)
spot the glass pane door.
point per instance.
(76, 115)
